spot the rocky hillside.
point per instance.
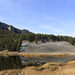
(49, 47)
(7, 27)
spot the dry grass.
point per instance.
(46, 69)
(6, 53)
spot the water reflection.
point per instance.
(12, 62)
(19, 62)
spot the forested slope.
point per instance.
(9, 40)
(12, 41)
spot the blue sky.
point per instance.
(40, 16)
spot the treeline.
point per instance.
(45, 37)
(12, 41)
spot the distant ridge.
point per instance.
(4, 26)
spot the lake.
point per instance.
(19, 62)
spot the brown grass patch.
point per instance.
(46, 69)
(6, 53)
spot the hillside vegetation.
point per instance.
(9, 41)
(12, 41)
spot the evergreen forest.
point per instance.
(12, 41)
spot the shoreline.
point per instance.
(12, 53)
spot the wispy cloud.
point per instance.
(1, 18)
(51, 28)
(58, 30)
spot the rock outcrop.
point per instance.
(7, 27)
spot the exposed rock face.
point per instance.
(4, 26)
(49, 47)
(10, 28)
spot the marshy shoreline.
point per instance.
(59, 68)
(55, 62)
